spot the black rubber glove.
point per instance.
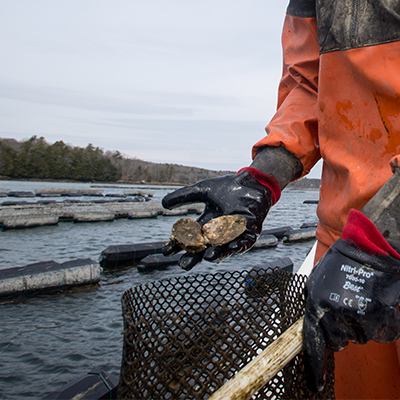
(353, 294)
(226, 195)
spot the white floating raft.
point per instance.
(19, 221)
(93, 216)
(299, 235)
(49, 212)
(139, 214)
(265, 241)
(48, 276)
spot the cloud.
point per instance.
(190, 82)
(52, 96)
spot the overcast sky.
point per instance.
(192, 82)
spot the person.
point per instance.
(338, 100)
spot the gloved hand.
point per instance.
(353, 294)
(250, 193)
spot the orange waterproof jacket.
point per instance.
(339, 99)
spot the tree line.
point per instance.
(36, 159)
(139, 171)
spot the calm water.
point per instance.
(48, 340)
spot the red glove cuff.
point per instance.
(364, 234)
(267, 180)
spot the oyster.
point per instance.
(187, 234)
(224, 229)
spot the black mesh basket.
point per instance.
(185, 337)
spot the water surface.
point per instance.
(47, 341)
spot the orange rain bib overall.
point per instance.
(339, 100)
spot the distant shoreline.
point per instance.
(6, 178)
(303, 184)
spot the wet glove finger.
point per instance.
(237, 246)
(185, 195)
(207, 215)
(190, 260)
(170, 248)
(243, 243)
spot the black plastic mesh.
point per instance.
(185, 337)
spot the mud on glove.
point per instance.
(250, 193)
(353, 294)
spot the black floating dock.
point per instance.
(309, 225)
(277, 232)
(95, 385)
(158, 262)
(119, 255)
